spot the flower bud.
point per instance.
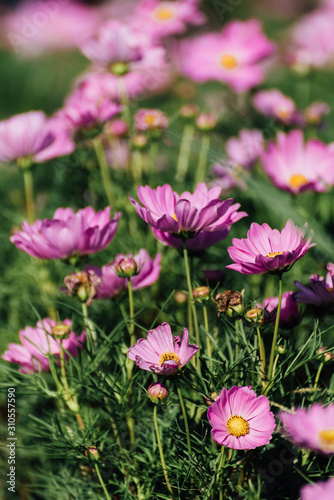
(60, 331)
(206, 122)
(229, 303)
(180, 297)
(189, 111)
(325, 357)
(157, 392)
(212, 397)
(126, 268)
(117, 128)
(139, 141)
(281, 349)
(255, 315)
(92, 452)
(201, 293)
(83, 284)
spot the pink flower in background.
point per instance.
(62, 143)
(161, 353)
(246, 148)
(233, 56)
(240, 419)
(201, 241)
(187, 213)
(323, 491)
(313, 428)
(275, 104)
(320, 292)
(150, 119)
(32, 136)
(289, 310)
(68, 234)
(314, 113)
(296, 166)
(165, 18)
(38, 345)
(267, 250)
(226, 175)
(148, 272)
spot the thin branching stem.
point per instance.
(278, 314)
(29, 193)
(184, 153)
(162, 458)
(104, 169)
(102, 482)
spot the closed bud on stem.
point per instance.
(212, 397)
(281, 349)
(230, 303)
(139, 141)
(119, 68)
(206, 122)
(180, 297)
(117, 128)
(189, 111)
(201, 293)
(60, 331)
(126, 268)
(255, 315)
(158, 392)
(92, 452)
(83, 284)
(324, 356)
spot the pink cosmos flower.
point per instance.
(246, 148)
(161, 353)
(267, 250)
(165, 18)
(68, 234)
(186, 214)
(275, 104)
(323, 491)
(31, 135)
(289, 310)
(320, 292)
(232, 56)
(294, 166)
(315, 112)
(148, 271)
(150, 119)
(38, 344)
(240, 419)
(313, 428)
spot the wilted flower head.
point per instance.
(229, 302)
(323, 491)
(245, 149)
(267, 250)
(68, 234)
(39, 344)
(83, 284)
(232, 56)
(294, 166)
(240, 419)
(313, 428)
(150, 120)
(161, 353)
(275, 104)
(320, 292)
(289, 310)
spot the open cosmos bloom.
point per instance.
(161, 353)
(198, 216)
(294, 166)
(33, 137)
(267, 250)
(320, 292)
(275, 104)
(245, 149)
(233, 56)
(68, 234)
(313, 428)
(323, 491)
(289, 310)
(240, 419)
(40, 342)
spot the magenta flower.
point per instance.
(267, 250)
(148, 272)
(245, 149)
(313, 428)
(320, 292)
(186, 214)
(160, 353)
(289, 310)
(38, 345)
(294, 166)
(275, 104)
(323, 491)
(233, 56)
(240, 419)
(68, 234)
(165, 18)
(30, 136)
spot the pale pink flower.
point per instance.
(233, 56)
(275, 104)
(38, 345)
(323, 491)
(313, 428)
(245, 149)
(240, 419)
(296, 166)
(315, 112)
(267, 250)
(320, 292)
(161, 353)
(150, 119)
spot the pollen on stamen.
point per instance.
(162, 13)
(273, 254)
(228, 61)
(237, 426)
(168, 356)
(297, 181)
(327, 439)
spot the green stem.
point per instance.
(91, 332)
(131, 310)
(220, 468)
(317, 377)
(262, 355)
(102, 482)
(29, 193)
(153, 159)
(104, 169)
(278, 313)
(202, 160)
(206, 326)
(184, 153)
(162, 458)
(185, 418)
(137, 167)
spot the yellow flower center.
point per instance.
(273, 254)
(150, 120)
(282, 113)
(228, 61)
(174, 217)
(163, 13)
(297, 181)
(237, 426)
(168, 356)
(327, 439)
